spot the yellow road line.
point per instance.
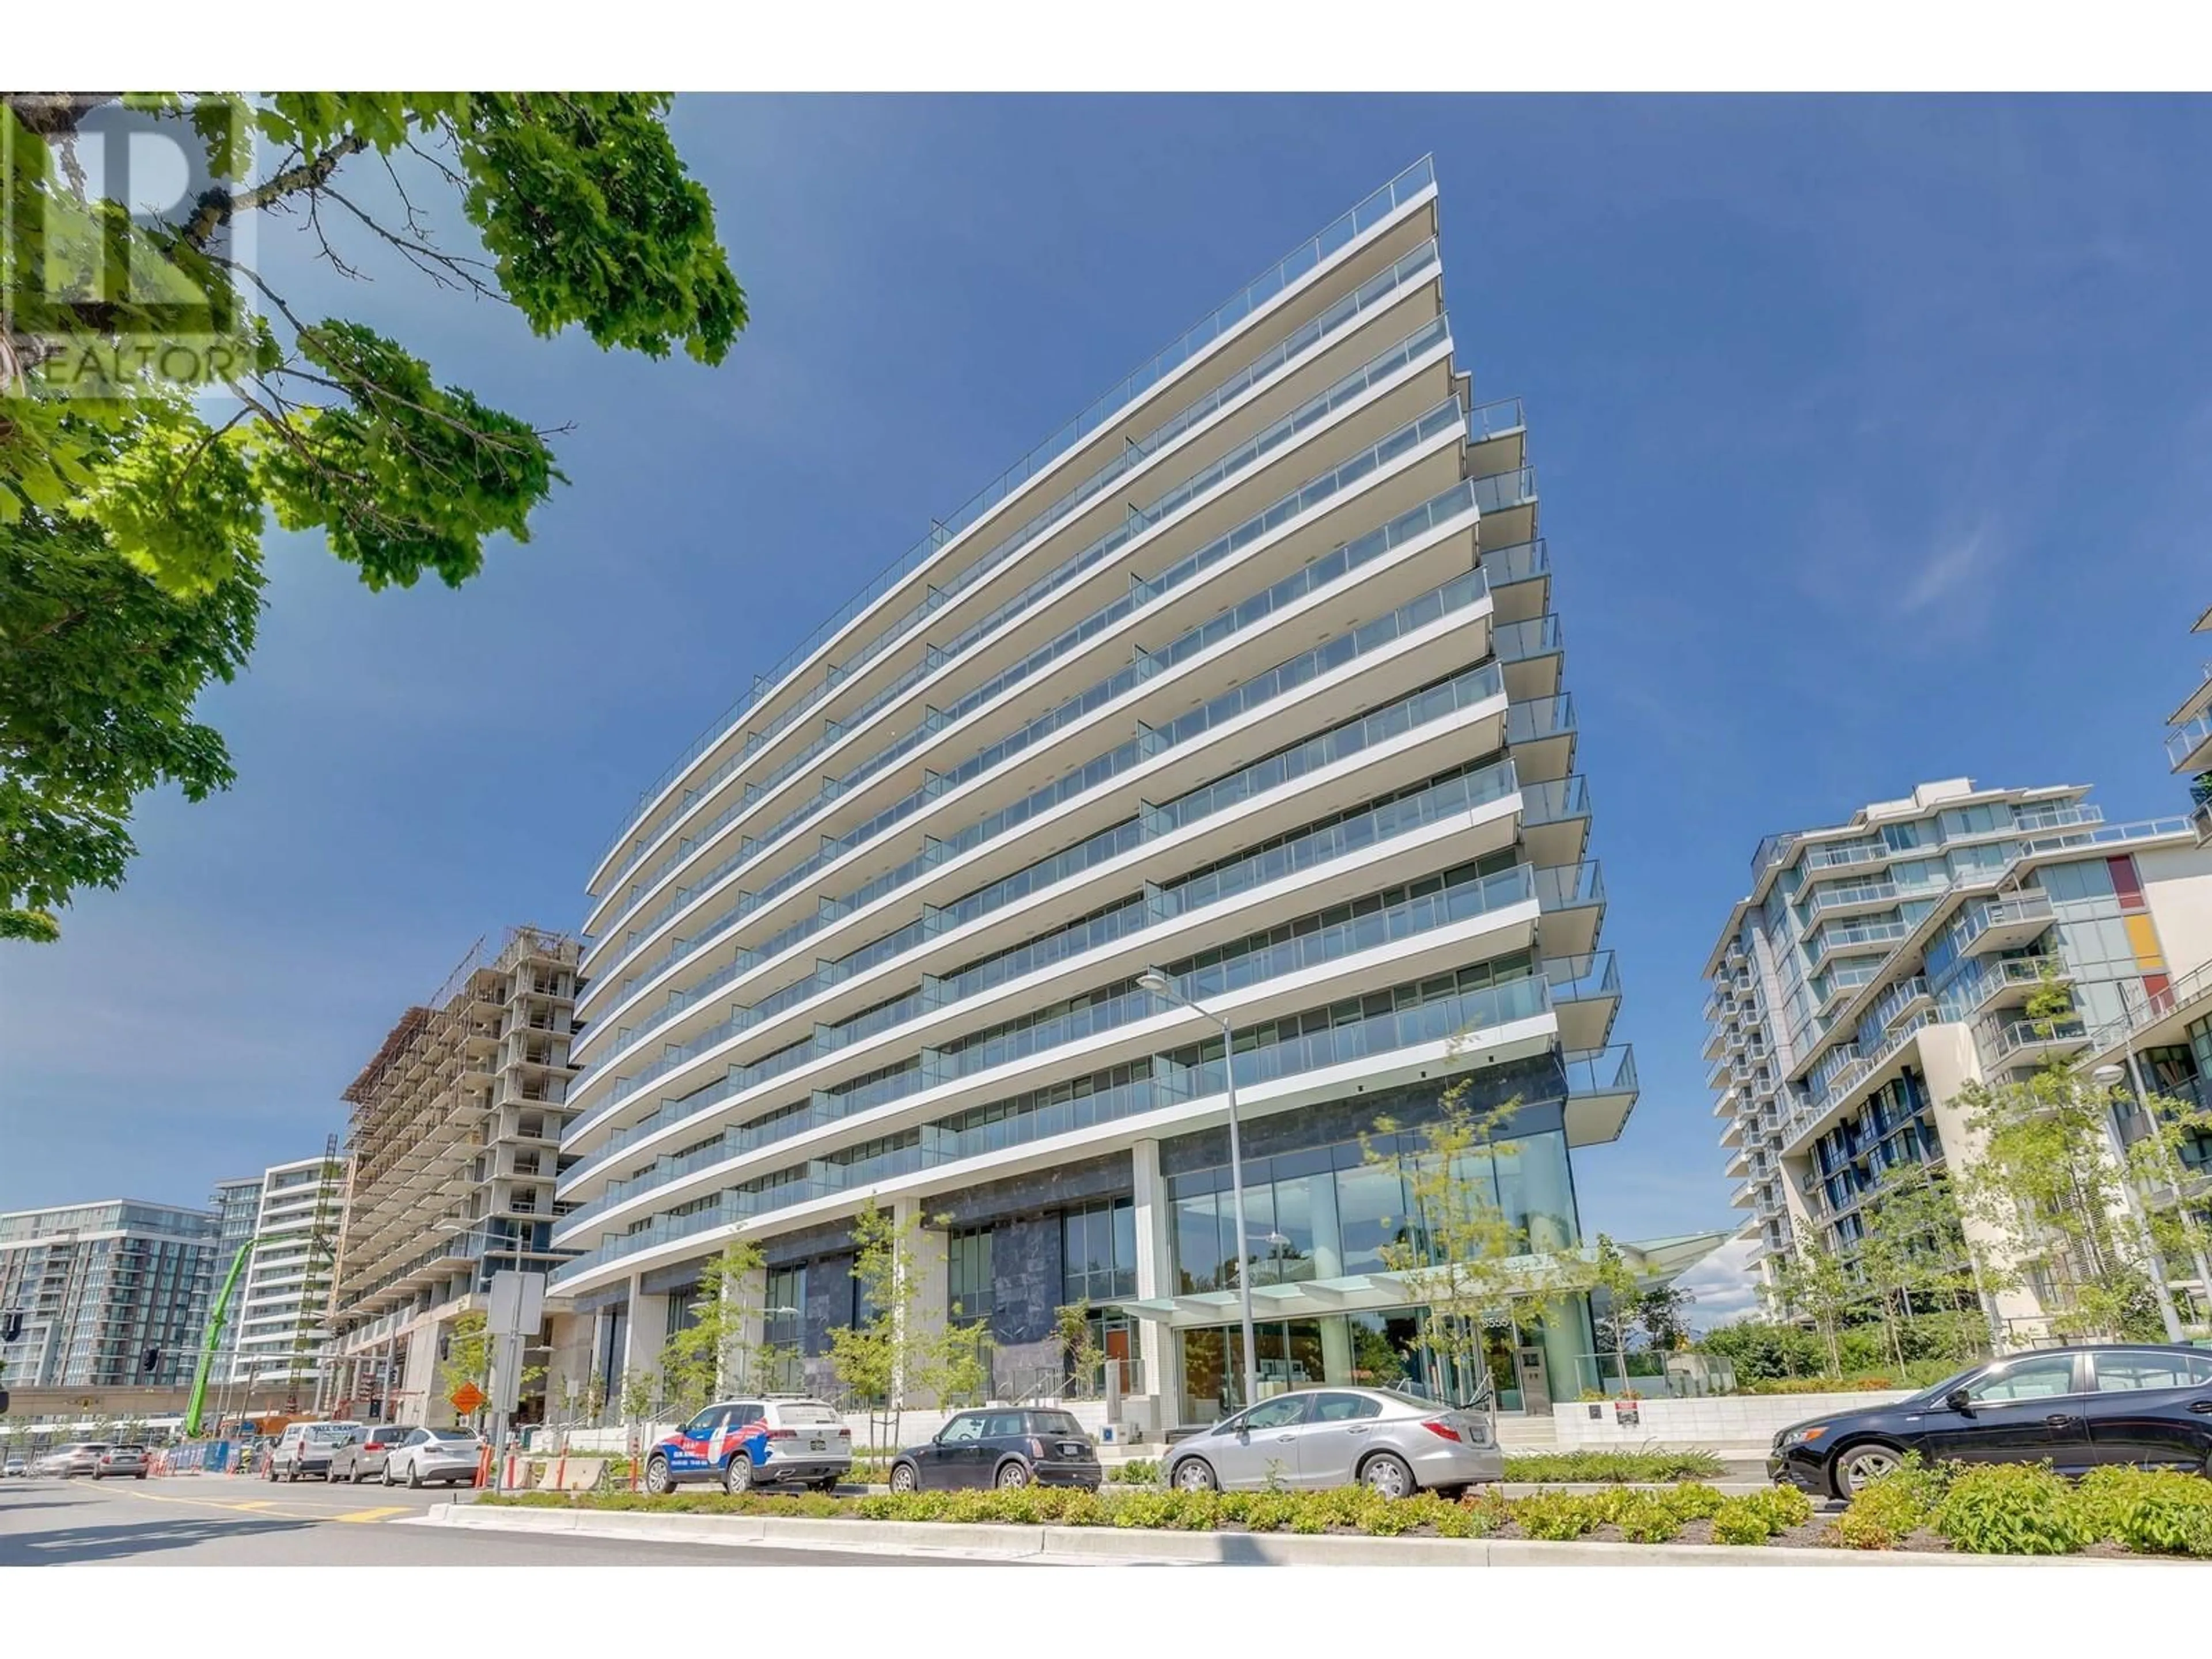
(252, 1506)
(374, 1515)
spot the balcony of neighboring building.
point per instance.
(2189, 745)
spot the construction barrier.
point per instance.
(193, 1458)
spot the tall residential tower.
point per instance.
(1879, 964)
(1250, 674)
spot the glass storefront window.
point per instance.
(1098, 1256)
(969, 1293)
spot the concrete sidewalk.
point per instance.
(1043, 1546)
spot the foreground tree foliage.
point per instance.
(131, 521)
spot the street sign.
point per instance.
(467, 1400)
(518, 1303)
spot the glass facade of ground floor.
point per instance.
(1529, 1366)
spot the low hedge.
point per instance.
(1817, 1385)
(1691, 1511)
(1649, 1466)
(2027, 1509)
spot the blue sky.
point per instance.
(1869, 434)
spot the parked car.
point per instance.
(14, 1468)
(119, 1460)
(2077, 1408)
(1002, 1447)
(77, 1457)
(1396, 1443)
(306, 1448)
(765, 1441)
(448, 1456)
(360, 1455)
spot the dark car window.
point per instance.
(741, 1415)
(447, 1434)
(2036, 1378)
(1003, 1425)
(1059, 1423)
(1344, 1407)
(703, 1424)
(1280, 1413)
(2125, 1373)
(963, 1430)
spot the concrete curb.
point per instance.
(1074, 1545)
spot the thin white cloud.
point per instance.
(1725, 1284)
(1952, 571)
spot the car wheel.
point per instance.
(1013, 1475)
(1194, 1475)
(292, 1475)
(387, 1474)
(1861, 1465)
(414, 1477)
(657, 1480)
(1386, 1474)
(904, 1478)
(738, 1475)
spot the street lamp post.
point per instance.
(1158, 983)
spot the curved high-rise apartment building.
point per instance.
(1250, 674)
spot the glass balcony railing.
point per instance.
(1540, 718)
(1583, 979)
(1463, 899)
(1423, 708)
(2186, 740)
(1106, 409)
(1571, 886)
(1461, 594)
(1263, 1055)
(1539, 636)
(1307, 497)
(1521, 561)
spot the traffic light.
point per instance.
(152, 1359)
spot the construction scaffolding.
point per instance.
(453, 1144)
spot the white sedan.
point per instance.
(448, 1456)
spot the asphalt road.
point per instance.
(220, 1521)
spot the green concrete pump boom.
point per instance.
(216, 1322)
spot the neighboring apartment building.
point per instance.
(1879, 964)
(102, 1290)
(450, 1163)
(276, 1330)
(2162, 1042)
(1250, 674)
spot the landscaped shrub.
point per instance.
(2013, 1509)
(1890, 1510)
(1558, 1516)
(1818, 1385)
(1137, 1471)
(1646, 1517)
(1647, 1465)
(2151, 1511)
(1757, 1516)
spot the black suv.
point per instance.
(2075, 1408)
(1004, 1446)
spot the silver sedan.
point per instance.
(1394, 1443)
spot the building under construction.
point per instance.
(451, 1156)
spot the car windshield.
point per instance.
(1056, 1423)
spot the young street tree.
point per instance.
(718, 1354)
(1812, 1282)
(899, 1347)
(1913, 1257)
(1609, 1272)
(2047, 1187)
(1471, 1264)
(133, 511)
